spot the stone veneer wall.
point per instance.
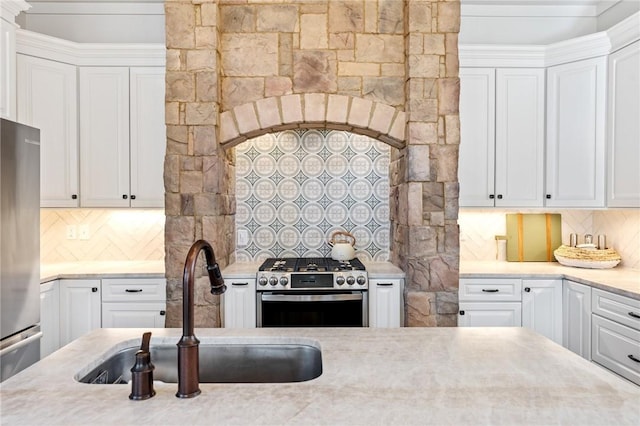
(384, 68)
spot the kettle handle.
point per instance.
(346, 234)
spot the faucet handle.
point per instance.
(142, 372)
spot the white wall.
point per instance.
(617, 13)
(523, 30)
(133, 21)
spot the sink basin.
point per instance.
(219, 363)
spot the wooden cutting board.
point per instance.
(533, 237)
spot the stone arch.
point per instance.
(313, 110)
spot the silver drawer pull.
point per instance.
(133, 290)
(634, 315)
(633, 358)
(384, 284)
(239, 284)
(490, 290)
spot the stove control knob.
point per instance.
(263, 280)
(273, 280)
(361, 280)
(340, 280)
(351, 280)
(284, 281)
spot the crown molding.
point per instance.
(625, 32)
(90, 54)
(489, 55)
(9, 9)
(575, 49)
(537, 56)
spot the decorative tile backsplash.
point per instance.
(296, 188)
(478, 229)
(111, 235)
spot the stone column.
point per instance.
(199, 175)
(424, 175)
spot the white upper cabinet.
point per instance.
(477, 136)
(122, 136)
(47, 100)
(576, 114)
(519, 137)
(147, 136)
(623, 133)
(104, 136)
(502, 137)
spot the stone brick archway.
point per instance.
(240, 69)
(313, 110)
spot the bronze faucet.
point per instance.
(188, 356)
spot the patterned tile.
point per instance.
(323, 181)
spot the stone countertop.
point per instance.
(623, 281)
(114, 269)
(370, 376)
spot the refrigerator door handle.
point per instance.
(21, 343)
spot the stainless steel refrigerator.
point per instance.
(19, 247)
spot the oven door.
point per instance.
(312, 309)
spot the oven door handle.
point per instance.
(310, 297)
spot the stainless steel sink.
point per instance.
(219, 363)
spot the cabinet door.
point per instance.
(616, 347)
(104, 136)
(488, 314)
(542, 307)
(239, 303)
(576, 133)
(576, 318)
(148, 136)
(476, 167)
(623, 131)
(519, 137)
(79, 308)
(49, 318)
(47, 100)
(385, 303)
(133, 315)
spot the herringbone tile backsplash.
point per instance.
(114, 235)
(478, 229)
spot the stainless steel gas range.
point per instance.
(312, 292)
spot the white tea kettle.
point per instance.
(342, 249)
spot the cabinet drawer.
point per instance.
(616, 347)
(133, 290)
(495, 290)
(616, 308)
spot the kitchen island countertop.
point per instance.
(370, 376)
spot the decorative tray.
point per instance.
(587, 257)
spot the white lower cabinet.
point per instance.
(79, 308)
(615, 335)
(490, 314)
(239, 303)
(490, 302)
(133, 302)
(576, 318)
(49, 318)
(512, 302)
(542, 307)
(385, 300)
